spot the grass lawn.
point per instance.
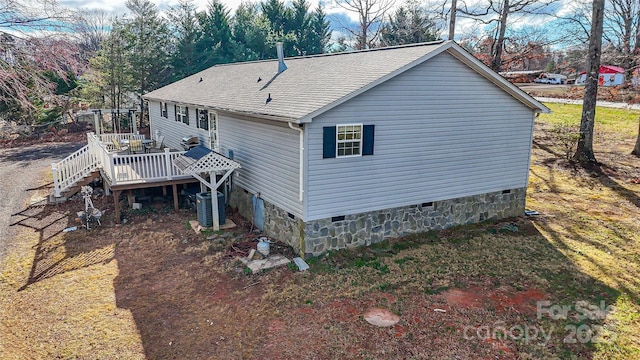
(562, 284)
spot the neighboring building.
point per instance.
(609, 75)
(523, 76)
(349, 149)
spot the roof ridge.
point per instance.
(350, 52)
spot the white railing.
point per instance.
(72, 169)
(134, 168)
(118, 169)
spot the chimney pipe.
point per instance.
(281, 65)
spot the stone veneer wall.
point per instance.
(277, 223)
(318, 236)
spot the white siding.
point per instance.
(442, 131)
(173, 130)
(268, 153)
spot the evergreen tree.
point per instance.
(409, 24)
(320, 33)
(250, 31)
(147, 38)
(111, 73)
(217, 43)
(300, 24)
(186, 32)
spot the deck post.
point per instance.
(167, 162)
(134, 117)
(116, 203)
(175, 197)
(214, 203)
(56, 185)
(96, 120)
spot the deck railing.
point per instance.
(72, 169)
(117, 168)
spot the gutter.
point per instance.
(301, 165)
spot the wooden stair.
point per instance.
(85, 181)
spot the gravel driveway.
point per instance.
(22, 170)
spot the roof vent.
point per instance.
(281, 65)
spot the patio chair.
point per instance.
(116, 145)
(159, 144)
(135, 145)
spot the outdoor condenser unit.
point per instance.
(203, 207)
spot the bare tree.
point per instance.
(622, 30)
(499, 14)
(93, 27)
(584, 152)
(35, 49)
(452, 19)
(371, 14)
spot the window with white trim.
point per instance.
(182, 114)
(349, 140)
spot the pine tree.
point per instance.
(186, 32)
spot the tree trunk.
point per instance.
(584, 152)
(452, 19)
(496, 61)
(636, 149)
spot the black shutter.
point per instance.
(367, 139)
(328, 142)
(186, 113)
(175, 112)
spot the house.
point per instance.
(347, 149)
(608, 75)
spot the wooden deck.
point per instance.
(120, 171)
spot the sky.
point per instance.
(336, 15)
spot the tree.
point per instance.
(35, 49)
(146, 36)
(409, 24)
(622, 30)
(186, 32)
(251, 31)
(371, 14)
(110, 72)
(636, 148)
(318, 38)
(216, 44)
(93, 27)
(584, 152)
(499, 13)
(452, 19)
(310, 29)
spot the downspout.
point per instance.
(301, 165)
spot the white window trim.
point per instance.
(345, 141)
(181, 114)
(213, 116)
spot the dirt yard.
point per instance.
(153, 289)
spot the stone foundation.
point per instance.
(315, 237)
(277, 222)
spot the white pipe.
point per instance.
(300, 170)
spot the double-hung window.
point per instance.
(182, 114)
(349, 140)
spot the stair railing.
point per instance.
(73, 168)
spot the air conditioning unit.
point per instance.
(203, 207)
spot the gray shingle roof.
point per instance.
(309, 85)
